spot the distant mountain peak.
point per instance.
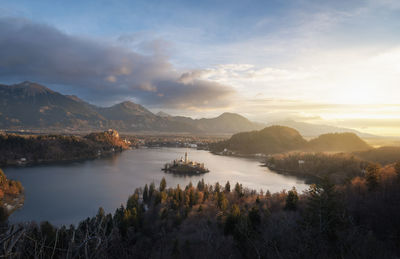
(230, 115)
(125, 109)
(30, 105)
(129, 105)
(162, 114)
(31, 88)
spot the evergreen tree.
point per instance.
(323, 209)
(254, 217)
(232, 219)
(227, 187)
(146, 193)
(291, 200)
(217, 187)
(200, 185)
(192, 197)
(163, 184)
(372, 176)
(151, 190)
(133, 201)
(397, 168)
(222, 202)
(239, 189)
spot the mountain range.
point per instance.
(313, 130)
(31, 106)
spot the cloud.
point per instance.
(100, 71)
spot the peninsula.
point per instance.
(185, 166)
(37, 149)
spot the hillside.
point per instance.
(30, 106)
(277, 139)
(11, 196)
(23, 149)
(382, 155)
(274, 139)
(314, 130)
(225, 123)
(344, 142)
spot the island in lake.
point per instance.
(185, 166)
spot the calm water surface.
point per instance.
(69, 193)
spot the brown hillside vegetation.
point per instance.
(10, 192)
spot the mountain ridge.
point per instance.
(314, 130)
(31, 106)
(280, 139)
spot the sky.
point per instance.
(325, 62)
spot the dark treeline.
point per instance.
(360, 219)
(15, 149)
(383, 155)
(338, 168)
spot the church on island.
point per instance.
(185, 166)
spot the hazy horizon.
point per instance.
(335, 63)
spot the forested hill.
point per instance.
(278, 139)
(345, 142)
(272, 139)
(25, 149)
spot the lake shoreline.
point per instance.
(64, 193)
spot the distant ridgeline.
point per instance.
(28, 149)
(33, 107)
(278, 139)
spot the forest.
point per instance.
(338, 168)
(32, 149)
(281, 139)
(356, 219)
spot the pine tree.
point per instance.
(163, 184)
(227, 187)
(146, 193)
(291, 200)
(222, 202)
(217, 187)
(151, 190)
(372, 176)
(323, 210)
(239, 189)
(232, 219)
(200, 185)
(397, 168)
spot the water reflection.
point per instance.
(68, 193)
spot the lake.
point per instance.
(69, 193)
